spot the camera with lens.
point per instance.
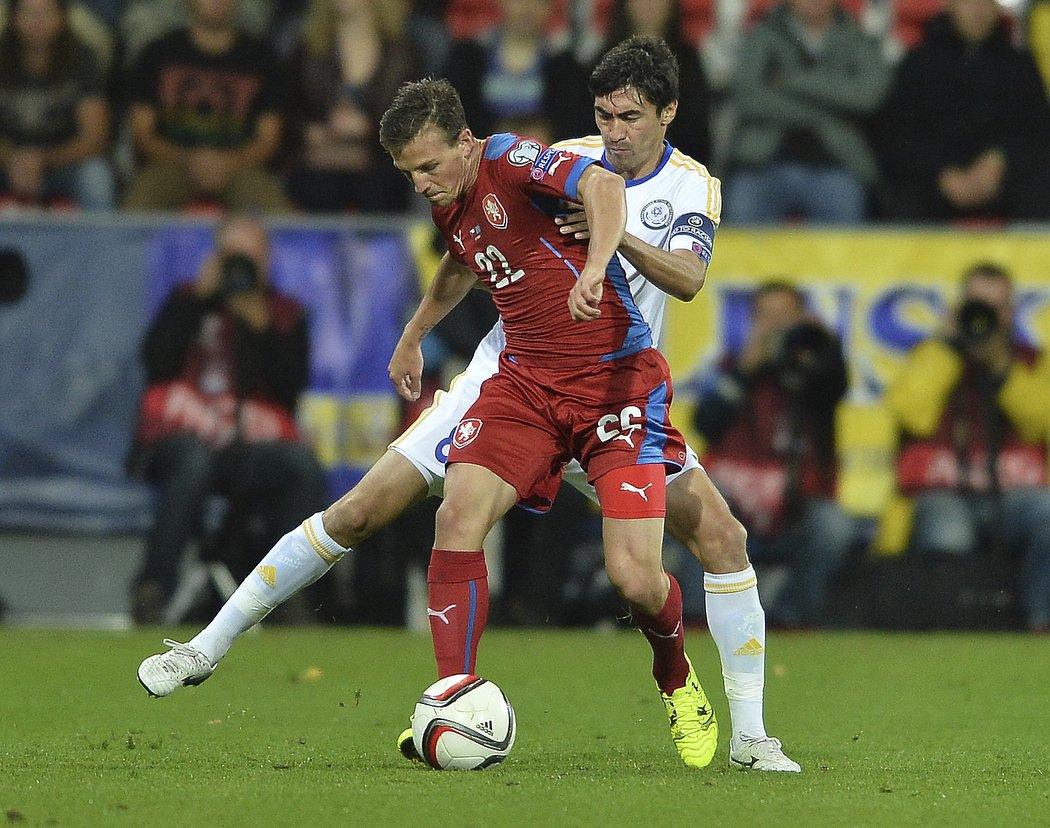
(238, 273)
(802, 354)
(977, 322)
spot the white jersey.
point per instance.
(676, 207)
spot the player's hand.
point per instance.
(585, 296)
(574, 223)
(406, 369)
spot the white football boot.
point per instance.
(163, 673)
(761, 754)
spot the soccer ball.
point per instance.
(463, 723)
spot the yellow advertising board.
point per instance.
(882, 291)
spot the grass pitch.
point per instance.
(297, 728)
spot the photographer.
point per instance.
(226, 360)
(768, 419)
(973, 410)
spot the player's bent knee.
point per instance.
(347, 521)
(638, 586)
(356, 516)
(636, 571)
(389, 487)
(723, 544)
(456, 519)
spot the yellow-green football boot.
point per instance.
(407, 747)
(693, 726)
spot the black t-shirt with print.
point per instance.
(37, 112)
(206, 100)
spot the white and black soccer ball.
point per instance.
(463, 723)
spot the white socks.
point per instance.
(738, 626)
(295, 561)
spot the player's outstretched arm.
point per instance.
(451, 283)
(678, 273)
(605, 204)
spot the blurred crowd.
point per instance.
(830, 112)
(821, 111)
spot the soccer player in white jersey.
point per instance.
(673, 205)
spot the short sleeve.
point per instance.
(557, 172)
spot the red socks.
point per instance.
(667, 638)
(459, 607)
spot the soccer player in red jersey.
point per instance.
(673, 210)
(578, 378)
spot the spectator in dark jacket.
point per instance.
(768, 416)
(226, 360)
(965, 131)
(54, 118)
(807, 80)
(354, 57)
(512, 79)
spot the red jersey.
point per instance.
(503, 229)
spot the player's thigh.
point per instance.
(387, 489)
(511, 431)
(475, 499)
(685, 492)
(632, 501)
(633, 542)
(621, 416)
(576, 477)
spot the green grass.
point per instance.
(891, 730)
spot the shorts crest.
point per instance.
(466, 432)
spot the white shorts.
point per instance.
(425, 443)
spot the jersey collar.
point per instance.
(668, 149)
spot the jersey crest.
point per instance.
(494, 211)
(657, 214)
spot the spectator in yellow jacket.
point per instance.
(973, 409)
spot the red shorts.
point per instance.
(529, 421)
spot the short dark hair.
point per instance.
(418, 105)
(987, 269)
(644, 63)
(778, 286)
